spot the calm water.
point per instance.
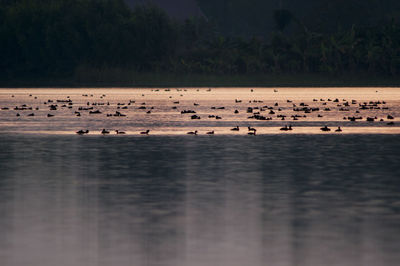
(174, 199)
(159, 110)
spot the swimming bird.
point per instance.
(251, 128)
(338, 129)
(235, 128)
(81, 132)
(104, 131)
(192, 133)
(325, 128)
(145, 132)
(286, 128)
(210, 133)
(119, 132)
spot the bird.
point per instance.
(235, 128)
(286, 128)
(104, 131)
(81, 132)
(210, 133)
(119, 132)
(192, 133)
(251, 128)
(325, 128)
(145, 132)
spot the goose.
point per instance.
(145, 132)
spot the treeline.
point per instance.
(55, 38)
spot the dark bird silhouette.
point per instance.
(286, 128)
(325, 128)
(81, 132)
(192, 133)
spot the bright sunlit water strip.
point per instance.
(301, 198)
(55, 111)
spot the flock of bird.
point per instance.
(255, 110)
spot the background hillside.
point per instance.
(103, 40)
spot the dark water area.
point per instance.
(199, 200)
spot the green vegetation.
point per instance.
(103, 42)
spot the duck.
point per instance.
(325, 128)
(210, 133)
(338, 129)
(104, 131)
(235, 128)
(145, 132)
(119, 132)
(81, 132)
(251, 128)
(192, 133)
(286, 128)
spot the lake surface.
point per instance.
(304, 197)
(160, 110)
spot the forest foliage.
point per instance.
(54, 38)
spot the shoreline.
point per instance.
(164, 80)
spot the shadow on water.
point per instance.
(220, 200)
